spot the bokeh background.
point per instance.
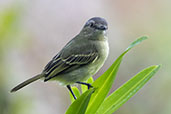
(32, 32)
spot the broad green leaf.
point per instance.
(76, 93)
(104, 83)
(126, 91)
(79, 106)
(84, 87)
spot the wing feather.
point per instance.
(59, 64)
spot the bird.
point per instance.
(81, 58)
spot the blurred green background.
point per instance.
(32, 32)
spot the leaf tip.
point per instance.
(136, 42)
(144, 37)
(158, 66)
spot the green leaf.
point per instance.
(76, 93)
(136, 42)
(79, 106)
(104, 83)
(126, 91)
(84, 87)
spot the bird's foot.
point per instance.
(87, 84)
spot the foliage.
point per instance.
(99, 103)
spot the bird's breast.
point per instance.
(103, 51)
(103, 48)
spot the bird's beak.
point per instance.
(103, 27)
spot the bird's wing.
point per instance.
(62, 63)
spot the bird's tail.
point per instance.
(27, 82)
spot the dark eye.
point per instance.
(91, 24)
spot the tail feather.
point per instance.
(26, 82)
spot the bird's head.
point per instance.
(96, 23)
(95, 26)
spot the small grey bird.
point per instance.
(80, 58)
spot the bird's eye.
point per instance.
(91, 24)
